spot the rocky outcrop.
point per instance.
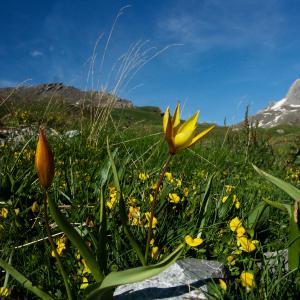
(67, 93)
(185, 279)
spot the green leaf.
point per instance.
(24, 281)
(115, 279)
(75, 239)
(294, 246)
(281, 206)
(286, 187)
(255, 215)
(102, 235)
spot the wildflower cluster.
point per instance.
(112, 197)
(228, 190)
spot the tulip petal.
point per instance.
(201, 135)
(190, 124)
(176, 117)
(166, 119)
(183, 139)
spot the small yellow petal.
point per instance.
(193, 242)
(240, 231)
(223, 285)
(84, 284)
(246, 245)
(247, 280)
(4, 212)
(154, 252)
(235, 224)
(35, 207)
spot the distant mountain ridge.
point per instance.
(283, 112)
(67, 93)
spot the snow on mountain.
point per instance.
(284, 111)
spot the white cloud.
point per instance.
(36, 53)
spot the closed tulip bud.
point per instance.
(44, 161)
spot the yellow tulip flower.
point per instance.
(44, 161)
(181, 136)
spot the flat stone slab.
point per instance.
(185, 279)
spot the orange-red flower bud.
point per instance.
(44, 161)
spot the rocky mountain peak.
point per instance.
(284, 111)
(293, 95)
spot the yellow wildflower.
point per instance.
(169, 176)
(181, 136)
(246, 244)
(17, 211)
(84, 283)
(77, 255)
(224, 199)
(132, 201)
(186, 192)
(174, 198)
(178, 182)
(151, 242)
(60, 246)
(240, 231)
(235, 224)
(5, 292)
(35, 207)
(134, 213)
(154, 221)
(193, 242)
(151, 198)
(237, 204)
(231, 260)
(143, 177)
(86, 269)
(222, 285)
(154, 185)
(135, 222)
(154, 252)
(4, 212)
(229, 188)
(247, 280)
(44, 161)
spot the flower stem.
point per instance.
(59, 264)
(150, 231)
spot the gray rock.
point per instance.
(280, 131)
(185, 279)
(277, 258)
(71, 133)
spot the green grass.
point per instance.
(135, 135)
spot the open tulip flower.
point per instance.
(181, 136)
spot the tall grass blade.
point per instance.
(24, 281)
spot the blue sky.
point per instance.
(215, 56)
